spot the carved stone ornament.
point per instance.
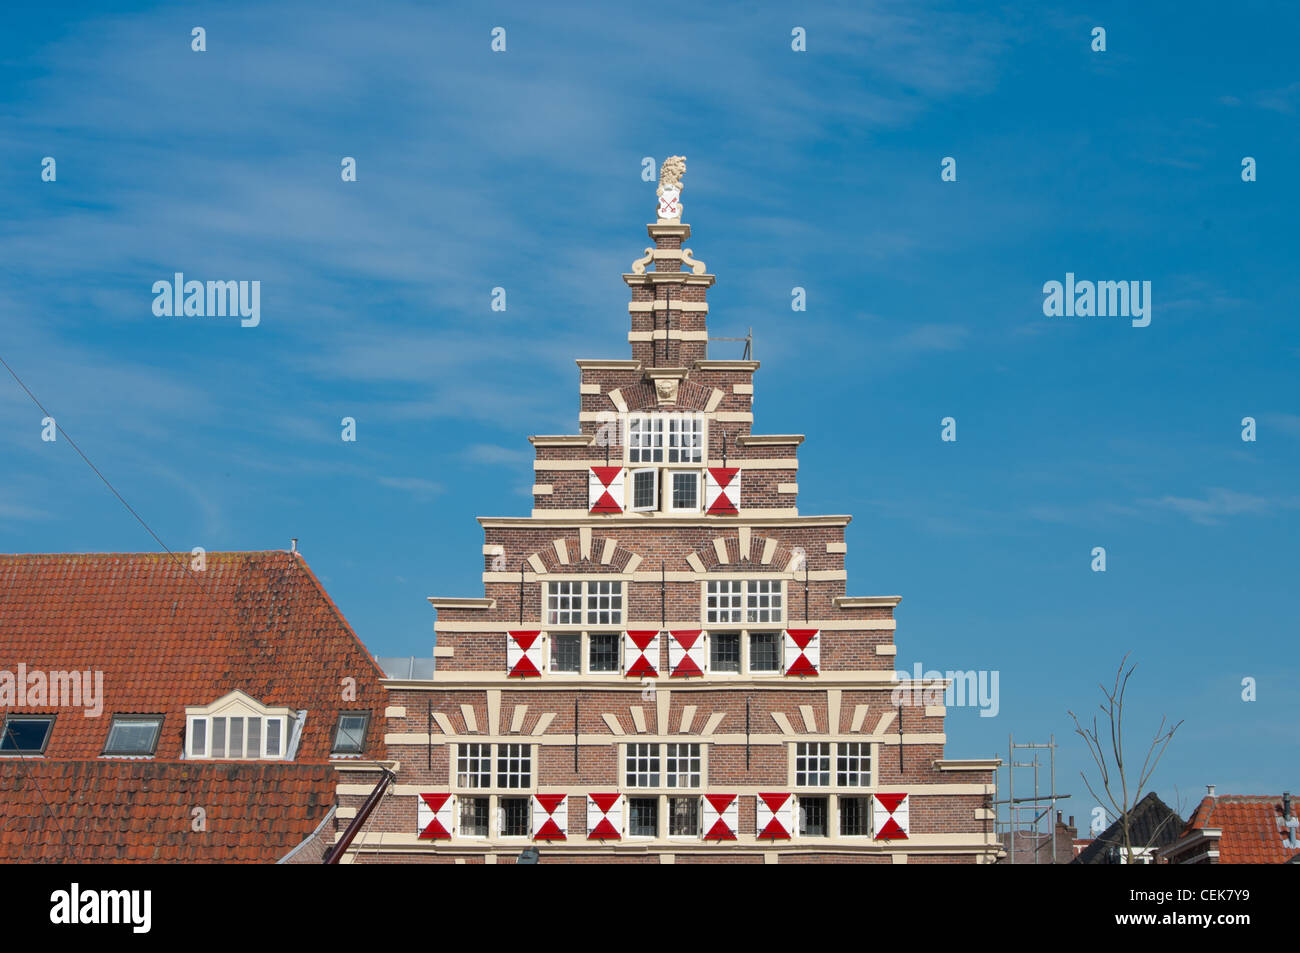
(670, 188)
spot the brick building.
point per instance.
(665, 666)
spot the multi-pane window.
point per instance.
(595, 602)
(133, 735)
(723, 600)
(603, 649)
(683, 817)
(474, 766)
(474, 817)
(564, 603)
(514, 766)
(812, 817)
(763, 600)
(855, 816)
(643, 816)
(515, 817)
(26, 734)
(645, 489)
(682, 766)
(724, 651)
(645, 439)
(566, 653)
(236, 737)
(853, 768)
(812, 764)
(684, 486)
(673, 439)
(764, 652)
(685, 439)
(604, 603)
(642, 765)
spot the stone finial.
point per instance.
(670, 188)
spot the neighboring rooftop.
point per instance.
(166, 638)
(1254, 830)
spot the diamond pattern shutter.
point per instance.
(803, 651)
(641, 649)
(775, 816)
(433, 816)
(889, 819)
(722, 491)
(550, 816)
(721, 816)
(523, 654)
(685, 653)
(604, 816)
(605, 490)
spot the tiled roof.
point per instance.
(114, 811)
(1250, 827)
(166, 637)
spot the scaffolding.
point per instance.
(1025, 816)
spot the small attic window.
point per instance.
(26, 734)
(237, 728)
(133, 735)
(350, 734)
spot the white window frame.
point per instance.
(852, 794)
(829, 760)
(841, 754)
(735, 614)
(236, 706)
(551, 648)
(499, 809)
(589, 596)
(481, 763)
(560, 591)
(754, 590)
(518, 760)
(631, 490)
(591, 601)
(694, 762)
(487, 757)
(673, 438)
(670, 504)
(654, 755)
(640, 427)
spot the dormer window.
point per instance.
(237, 728)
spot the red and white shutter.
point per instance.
(721, 816)
(803, 651)
(722, 491)
(641, 649)
(775, 816)
(550, 816)
(523, 654)
(605, 490)
(433, 815)
(889, 819)
(685, 653)
(604, 817)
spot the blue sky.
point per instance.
(816, 169)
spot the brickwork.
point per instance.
(806, 732)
